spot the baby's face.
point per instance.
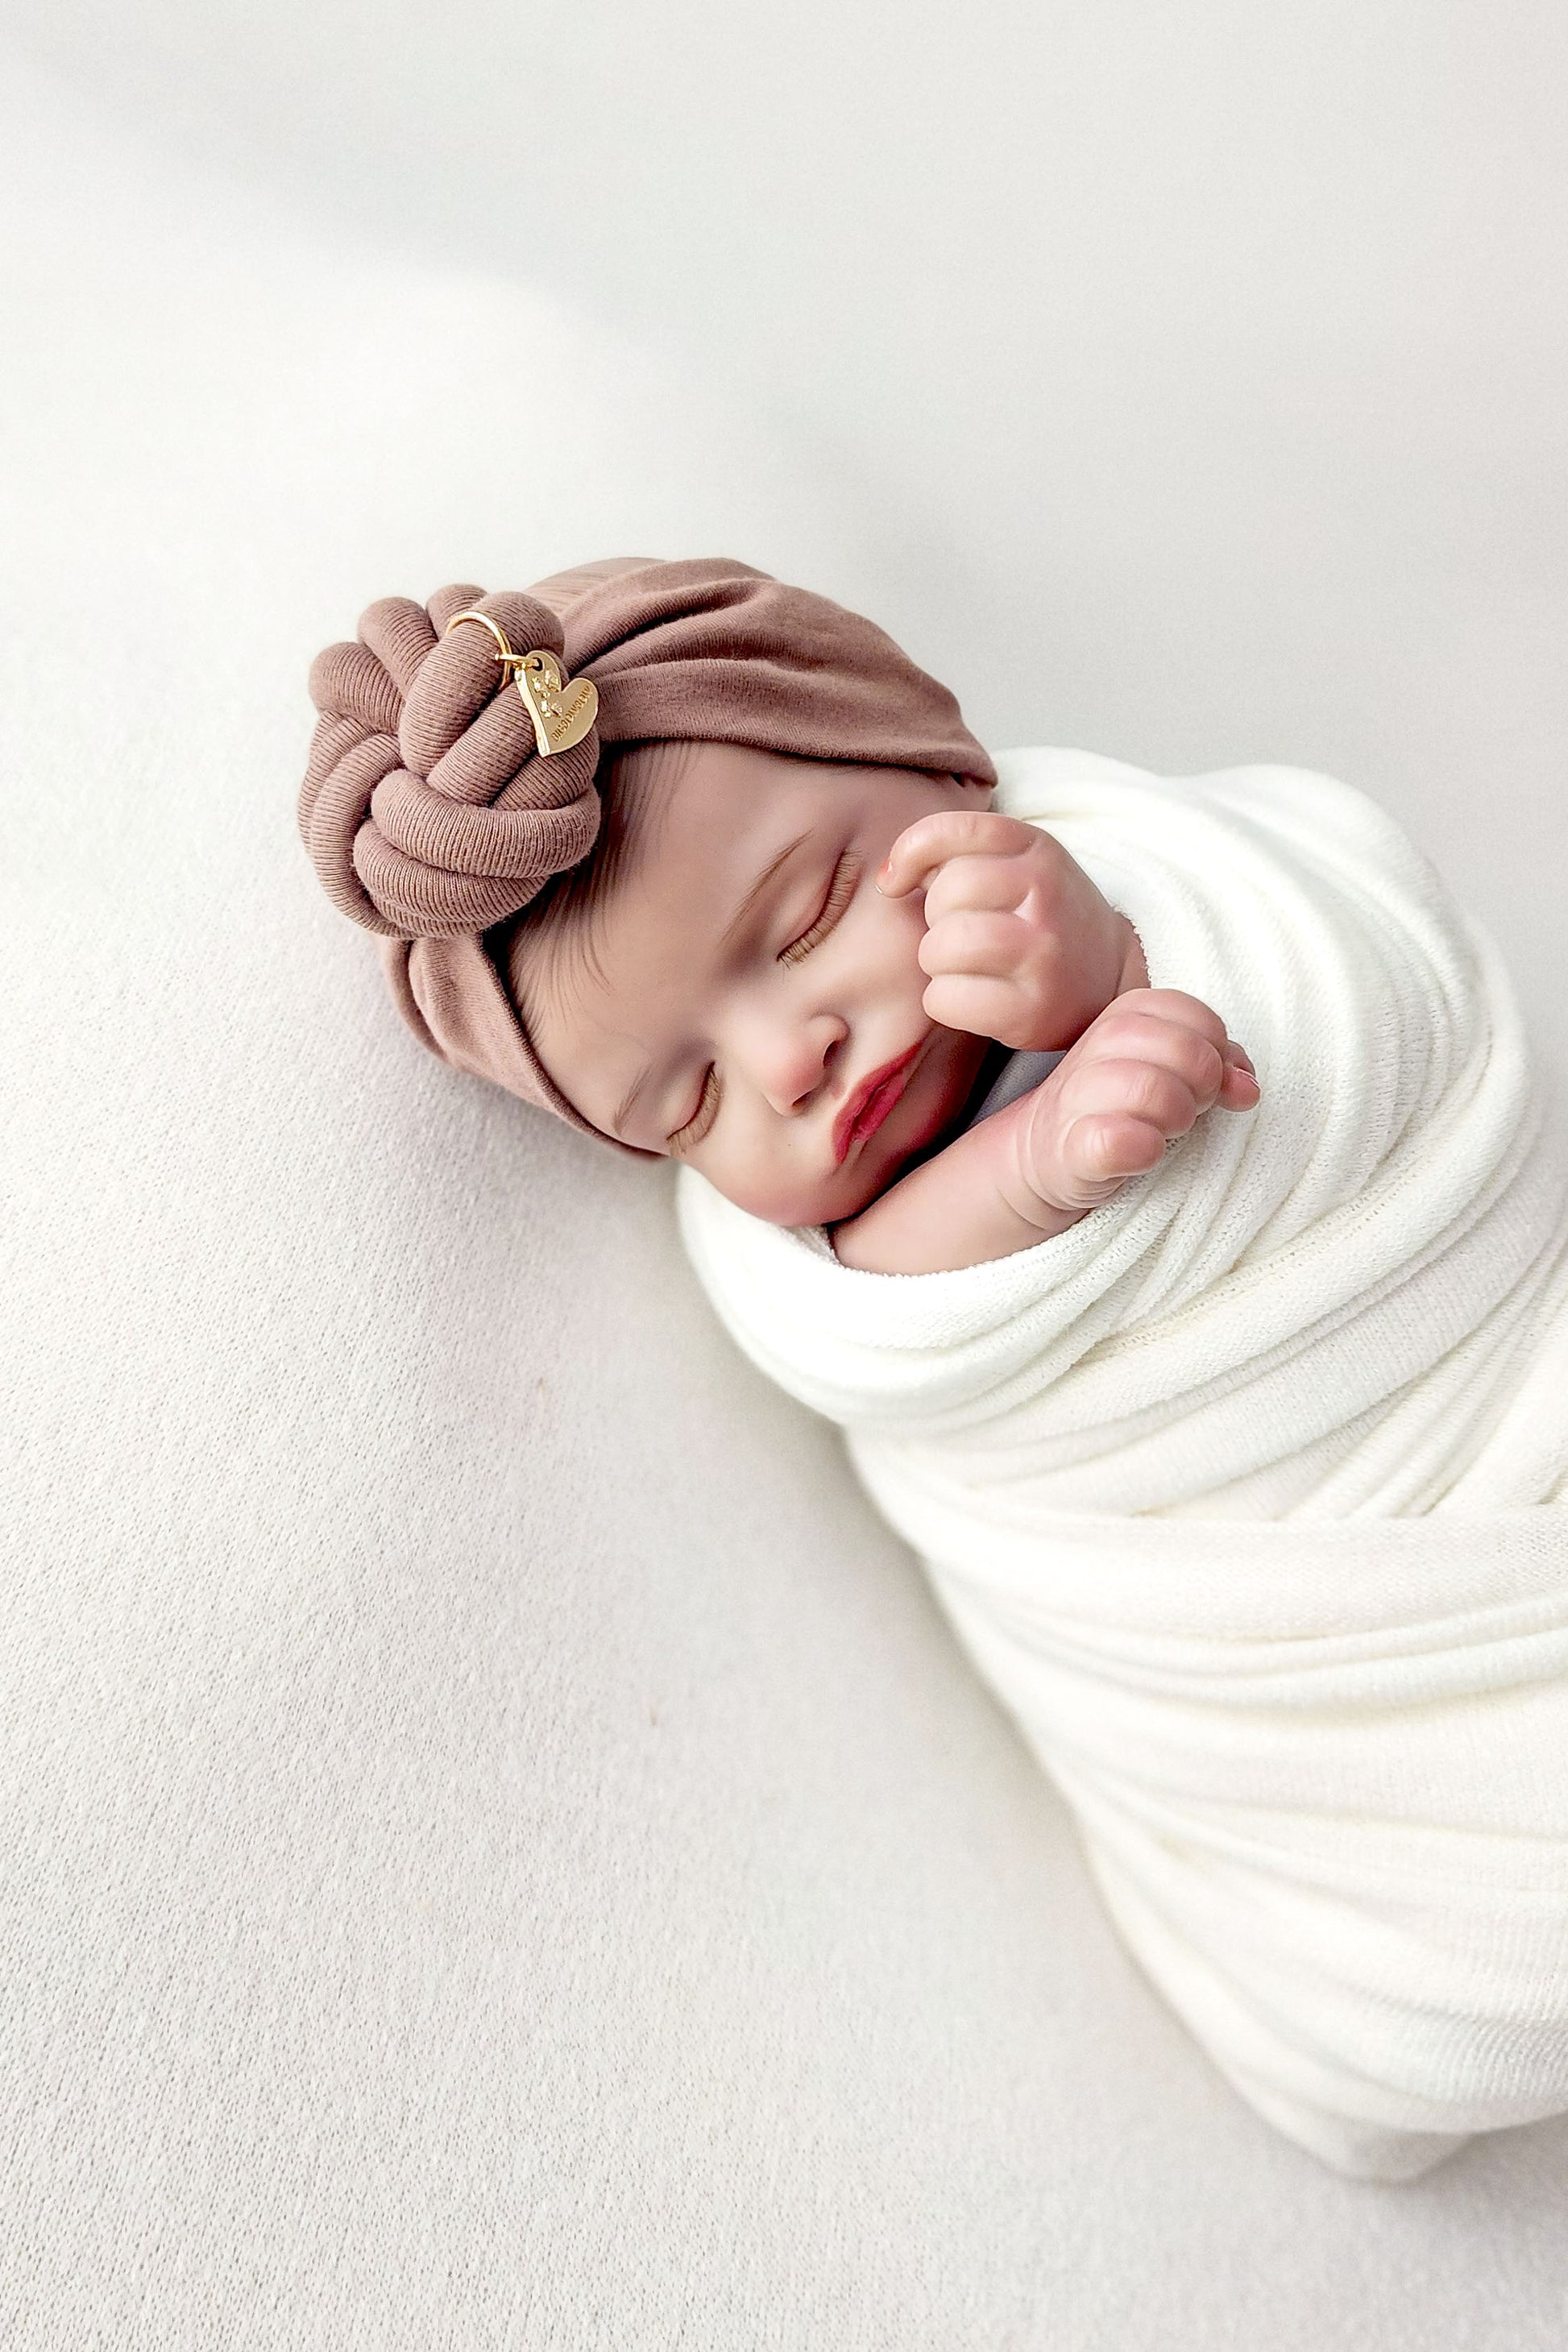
(741, 995)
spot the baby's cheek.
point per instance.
(794, 1203)
(907, 929)
(885, 953)
(756, 1180)
(766, 1185)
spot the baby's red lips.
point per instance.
(864, 1110)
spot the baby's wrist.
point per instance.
(1025, 1173)
(1110, 960)
(1048, 1217)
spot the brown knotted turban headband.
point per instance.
(431, 816)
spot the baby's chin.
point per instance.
(826, 1204)
(793, 1200)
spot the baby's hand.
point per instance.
(1020, 945)
(1148, 1068)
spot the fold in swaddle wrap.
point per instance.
(1247, 1495)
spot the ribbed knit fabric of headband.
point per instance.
(431, 818)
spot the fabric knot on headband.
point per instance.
(452, 771)
(434, 802)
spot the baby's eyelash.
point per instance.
(701, 1119)
(847, 873)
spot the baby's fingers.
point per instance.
(1145, 1089)
(985, 1007)
(983, 943)
(925, 846)
(1168, 1030)
(1102, 1148)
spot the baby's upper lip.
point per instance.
(858, 1100)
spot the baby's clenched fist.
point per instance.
(1019, 944)
(1147, 1069)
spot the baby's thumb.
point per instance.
(1239, 1089)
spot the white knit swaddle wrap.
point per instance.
(1246, 1494)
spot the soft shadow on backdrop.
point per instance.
(502, 1849)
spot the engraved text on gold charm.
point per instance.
(561, 712)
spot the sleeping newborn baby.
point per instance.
(786, 972)
(1235, 1448)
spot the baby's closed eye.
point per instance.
(701, 1119)
(840, 890)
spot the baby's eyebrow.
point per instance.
(760, 884)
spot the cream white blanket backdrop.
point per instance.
(498, 1845)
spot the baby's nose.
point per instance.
(793, 1065)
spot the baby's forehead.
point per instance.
(685, 815)
(690, 830)
(736, 782)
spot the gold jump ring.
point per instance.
(562, 710)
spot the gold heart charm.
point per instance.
(561, 712)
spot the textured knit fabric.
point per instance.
(431, 818)
(1246, 1493)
